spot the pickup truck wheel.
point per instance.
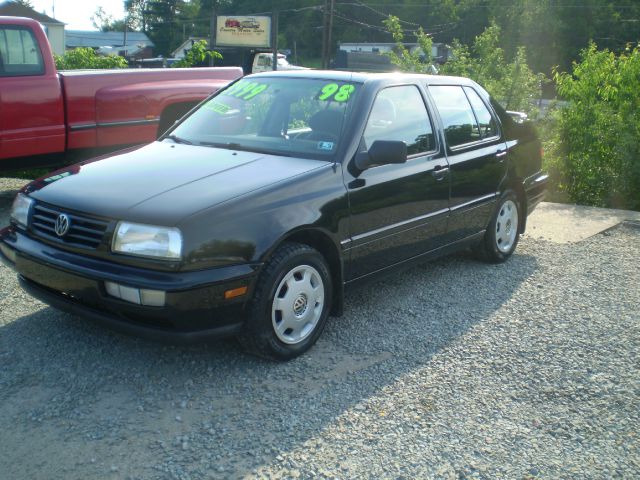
(291, 304)
(502, 235)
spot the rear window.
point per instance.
(19, 52)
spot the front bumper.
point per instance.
(195, 307)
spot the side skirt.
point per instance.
(418, 259)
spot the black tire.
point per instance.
(501, 238)
(284, 275)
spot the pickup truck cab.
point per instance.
(252, 214)
(46, 113)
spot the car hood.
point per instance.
(163, 182)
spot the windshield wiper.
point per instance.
(229, 146)
(241, 148)
(177, 139)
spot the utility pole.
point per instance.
(329, 32)
(212, 32)
(327, 26)
(274, 37)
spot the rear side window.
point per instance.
(19, 53)
(399, 114)
(460, 125)
(485, 119)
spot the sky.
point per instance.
(77, 13)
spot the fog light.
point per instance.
(151, 298)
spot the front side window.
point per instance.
(19, 53)
(399, 114)
(460, 124)
(279, 115)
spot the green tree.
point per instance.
(595, 154)
(105, 22)
(512, 82)
(198, 55)
(86, 58)
(416, 60)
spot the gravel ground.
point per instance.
(8, 189)
(454, 369)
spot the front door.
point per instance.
(398, 211)
(32, 115)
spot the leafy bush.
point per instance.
(595, 153)
(87, 58)
(198, 55)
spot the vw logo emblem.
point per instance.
(62, 225)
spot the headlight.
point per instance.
(147, 241)
(20, 209)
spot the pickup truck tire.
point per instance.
(502, 235)
(290, 305)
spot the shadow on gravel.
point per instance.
(83, 402)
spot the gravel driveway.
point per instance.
(454, 369)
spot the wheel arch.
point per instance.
(173, 112)
(515, 183)
(323, 243)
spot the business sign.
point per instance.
(243, 31)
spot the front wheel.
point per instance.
(291, 304)
(502, 235)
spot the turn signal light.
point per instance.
(236, 292)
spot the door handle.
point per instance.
(501, 154)
(439, 172)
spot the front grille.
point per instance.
(83, 231)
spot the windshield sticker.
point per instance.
(216, 106)
(339, 93)
(245, 90)
(325, 146)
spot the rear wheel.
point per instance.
(290, 305)
(502, 235)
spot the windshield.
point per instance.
(283, 116)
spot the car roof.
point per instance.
(364, 77)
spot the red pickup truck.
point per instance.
(45, 113)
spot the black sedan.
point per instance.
(252, 214)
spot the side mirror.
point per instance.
(382, 152)
(518, 117)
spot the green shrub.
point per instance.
(198, 55)
(593, 149)
(86, 58)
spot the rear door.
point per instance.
(398, 211)
(476, 152)
(31, 109)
